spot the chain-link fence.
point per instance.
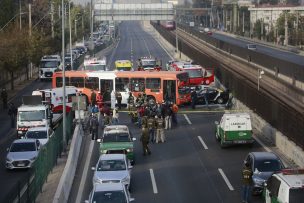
(27, 190)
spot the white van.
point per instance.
(234, 128)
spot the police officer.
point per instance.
(145, 140)
(193, 99)
(93, 98)
(130, 101)
(160, 133)
(94, 126)
(247, 178)
(151, 127)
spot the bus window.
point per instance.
(137, 84)
(59, 81)
(122, 84)
(106, 84)
(77, 82)
(153, 83)
(91, 83)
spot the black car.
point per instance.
(263, 165)
(212, 96)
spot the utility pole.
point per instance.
(286, 31)
(75, 28)
(70, 28)
(243, 23)
(297, 29)
(91, 28)
(176, 36)
(63, 77)
(30, 20)
(52, 19)
(20, 19)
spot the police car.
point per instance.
(285, 187)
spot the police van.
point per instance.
(234, 128)
(285, 187)
(48, 65)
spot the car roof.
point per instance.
(111, 156)
(108, 187)
(38, 129)
(24, 141)
(116, 128)
(295, 180)
(264, 155)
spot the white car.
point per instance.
(22, 153)
(42, 134)
(112, 168)
(111, 192)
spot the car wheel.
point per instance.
(220, 100)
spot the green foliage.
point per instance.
(7, 11)
(280, 24)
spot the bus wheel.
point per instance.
(151, 99)
(220, 100)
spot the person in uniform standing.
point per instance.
(94, 126)
(151, 127)
(247, 178)
(130, 101)
(118, 98)
(193, 99)
(4, 98)
(93, 98)
(160, 133)
(174, 112)
(145, 140)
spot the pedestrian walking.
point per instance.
(12, 112)
(151, 127)
(115, 117)
(193, 99)
(145, 141)
(247, 178)
(174, 112)
(93, 98)
(160, 133)
(94, 126)
(118, 98)
(4, 98)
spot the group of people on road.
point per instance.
(153, 118)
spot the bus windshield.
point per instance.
(95, 67)
(148, 63)
(31, 115)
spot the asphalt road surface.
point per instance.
(190, 166)
(281, 54)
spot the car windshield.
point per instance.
(111, 165)
(296, 195)
(31, 115)
(23, 147)
(36, 134)
(109, 197)
(95, 67)
(268, 165)
(148, 63)
(49, 64)
(124, 68)
(116, 137)
(194, 73)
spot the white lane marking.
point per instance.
(226, 179)
(153, 181)
(187, 119)
(85, 172)
(202, 141)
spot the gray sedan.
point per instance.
(22, 153)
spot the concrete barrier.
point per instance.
(66, 180)
(287, 147)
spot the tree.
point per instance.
(13, 55)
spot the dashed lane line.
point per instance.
(187, 119)
(226, 179)
(153, 181)
(202, 141)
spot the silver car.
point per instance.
(22, 153)
(112, 168)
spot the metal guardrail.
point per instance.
(27, 189)
(281, 116)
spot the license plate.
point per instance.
(21, 164)
(240, 141)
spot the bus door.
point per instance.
(106, 87)
(169, 90)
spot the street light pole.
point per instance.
(20, 15)
(63, 78)
(70, 27)
(176, 36)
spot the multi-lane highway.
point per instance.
(190, 166)
(277, 53)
